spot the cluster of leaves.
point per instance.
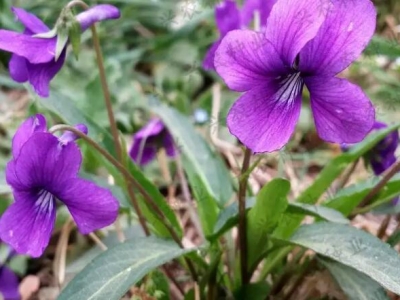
(153, 64)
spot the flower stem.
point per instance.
(242, 217)
(393, 171)
(103, 80)
(110, 112)
(98, 242)
(130, 180)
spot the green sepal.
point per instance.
(46, 35)
(62, 40)
(75, 33)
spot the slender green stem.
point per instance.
(242, 217)
(78, 3)
(347, 176)
(130, 180)
(110, 112)
(276, 258)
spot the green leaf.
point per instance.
(160, 201)
(354, 248)
(228, 218)
(290, 222)
(394, 239)
(322, 212)
(271, 202)
(206, 204)
(382, 46)
(111, 274)
(354, 284)
(82, 260)
(348, 199)
(207, 174)
(208, 165)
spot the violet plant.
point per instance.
(201, 230)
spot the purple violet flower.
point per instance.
(382, 156)
(228, 18)
(45, 168)
(305, 42)
(33, 58)
(148, 140)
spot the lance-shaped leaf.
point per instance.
(354, 248)
(111, 274)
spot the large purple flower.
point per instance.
(148, 140)
(305, 42)
(228, 17)
(33, 58)
(382, 156)
(45, 168)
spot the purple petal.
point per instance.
(91, 206)
(69, 136)
(35, 50)
(143, 151)
(169, 145)
(381, 163)
(146, 142)
(27, 224)
(208, 62)
(346, 31)
(264, 8)
(245, 59)
(248, 9)
(36, 123)
(292, 23)
(40, 75)
(96, 14)
(45, 162)
(379, 125)
(30, 21)
(153, 128)
(227, 17)
(264, 118)
(389, 144)
(9, 285)
(18, 68)
(342, 112)
(12, 178)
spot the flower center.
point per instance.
(290, 87)
(45, 202)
